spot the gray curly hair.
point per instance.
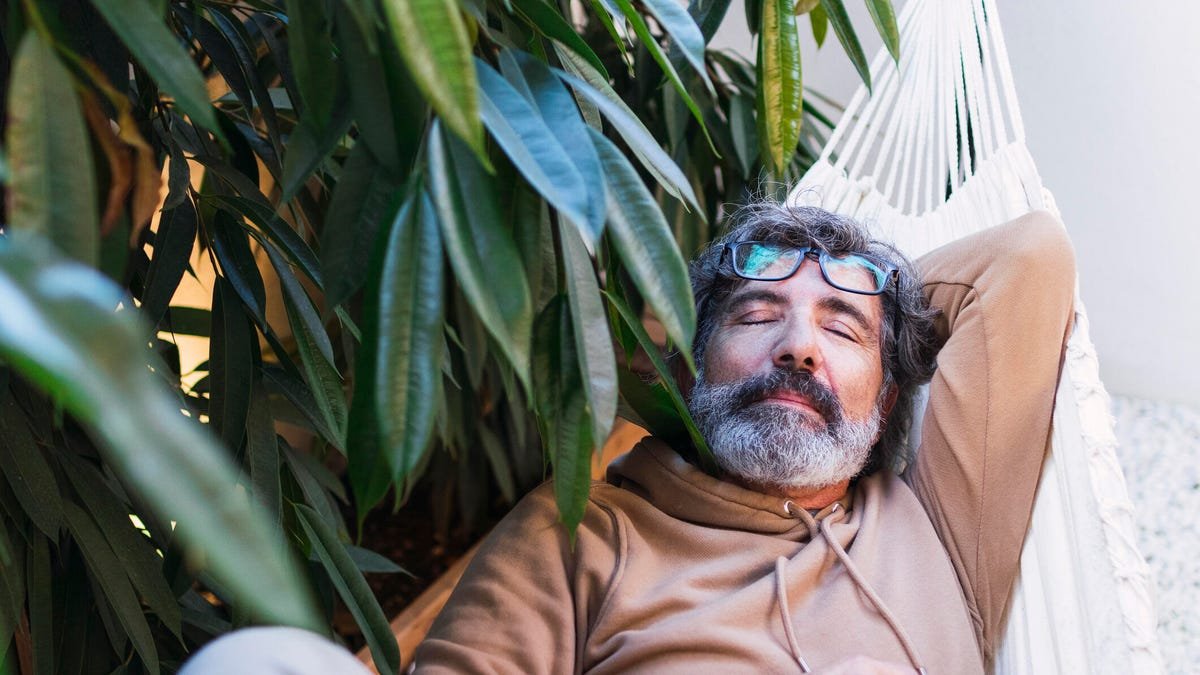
(909, 344)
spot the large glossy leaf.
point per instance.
(562, 410)
(779, 87)
(353, 589)
(480, 247)
(836, 10)
(547, 20)
(820, 24)
(433, 42)
(625, 121)
(593, 343)
(409, 349)
(656, 52)
(743, 132)
(561, 114)
(366, 78)
(27, 471)
(884, 16)
(231, 245)
(51, 190)
(533, 148)
(682, 28)
(363, 200)
(162, 54)
(647, 247)
(262, 451)
(59, 330)
(108, 572)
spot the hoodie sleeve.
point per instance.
(1006, 296)
(527, 599)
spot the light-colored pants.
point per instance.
(273, 651)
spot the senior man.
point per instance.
(819, 545)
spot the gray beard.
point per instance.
(779, 446)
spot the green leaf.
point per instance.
(275, 228)
(885, 20)
(561, 114)
(173, 243)
(316, 352)
(230, 365)
(232, 248)
(134, 551)
(309, 146)
(820, 24)
(497, 457)
(188, 321)
(533, 148)
(593, 344)
(433, 42)
(647, 247)
(779, 87)
(162, 54)
(363, 200)
(562, 410)
(836, 10)
(262, 451)
(626, 122)
(409, 348)
(480, 248)
(643, 32)
(310, 50)
(27, 470)
(682, 28)
(366, 79)
(370, 562)
(51, 191)
(59, 330)
(353, 589)
(665, 377)
(547, 21)
(743, 132)
(39, 587)
(109, 573)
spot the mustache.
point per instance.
(800, 382)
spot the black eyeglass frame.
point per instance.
(815, 253)
(820, 255)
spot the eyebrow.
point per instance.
(766, 295)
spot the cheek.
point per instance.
(731, 357)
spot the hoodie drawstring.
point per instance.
(855, 575)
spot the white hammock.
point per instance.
(1083, 602)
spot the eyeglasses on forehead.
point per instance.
(851, 272)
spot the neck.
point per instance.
(810, 499)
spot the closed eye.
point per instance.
(842, 332)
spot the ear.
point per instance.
(889, 401)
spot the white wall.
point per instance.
(1110, 93)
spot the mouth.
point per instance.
(791, 399)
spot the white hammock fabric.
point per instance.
(1083, 602)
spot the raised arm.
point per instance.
(1006, 296)
(524, 605)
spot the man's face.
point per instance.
(791, 379)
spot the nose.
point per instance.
(797, 347)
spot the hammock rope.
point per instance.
(937, 151)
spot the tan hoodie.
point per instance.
(674, 570)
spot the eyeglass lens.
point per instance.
(849, 272)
